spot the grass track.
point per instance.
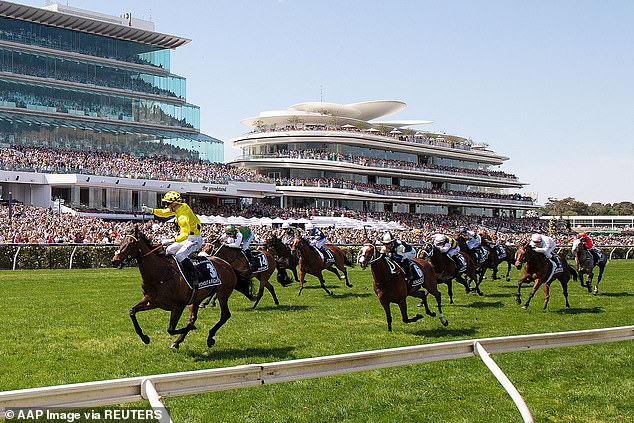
(72, 326)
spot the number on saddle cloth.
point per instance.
(207, 272)
(500, 251)
(417, 275)
(259, 262)
(481, 254)
(325, 254)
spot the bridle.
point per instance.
(136, 240)
(375, 255)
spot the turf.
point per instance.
(67, 326)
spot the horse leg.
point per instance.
(345, 275)
(508, 271)
(433, 290)
(589, 280)
(450, 291)
(402, 305)
(142, 305)
(294, 271)
(564, 287)
(596, 287)
(175, 316)
(546, 294)
(225, 314)
(302, 276)
(479, 281)
(532, 293)
(422, 294)
(388, 313)
(322, 283)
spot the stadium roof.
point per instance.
(89, 25)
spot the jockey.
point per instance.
(545, 245)
(587, 242)
(473, 239)
(238, 237)
(317, 237)
(449, 246)
(400, 252)
(189, 239)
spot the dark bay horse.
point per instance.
(164, 287)
(391, 286)
(585, 265)
(509, 259)
(311, 262)
(538, 270)
(284, 259)
(447, 270)
(480, 268)
(238, 261)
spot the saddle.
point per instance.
(480, 254)
(325, 254)
(501, 252)
(258, 263)
(207, 274)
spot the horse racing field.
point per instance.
(69, 326)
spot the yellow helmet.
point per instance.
(172, 197)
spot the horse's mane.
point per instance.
(146, 239)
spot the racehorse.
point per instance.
(311, 262)
(446, 269)
(238, 261)
(284, 260)
(509, 259)
(538, 270)
(390, 284)
(585, 265)
(164, 286)
(480, 268)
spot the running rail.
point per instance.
(152, 388)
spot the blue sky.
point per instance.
(549, 84)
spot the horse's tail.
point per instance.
(244, 286)
(347, 261)
(573, 272)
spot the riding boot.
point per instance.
(191, 270)
(249, 256)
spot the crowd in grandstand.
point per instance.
(51, 160)
(34, 225)
(315, 154)
(393, 190)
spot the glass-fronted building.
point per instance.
(343, 156)
(75, 79)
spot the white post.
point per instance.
(148, 391)
(479, 351)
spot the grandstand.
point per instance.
(343, 156)
(91, 116)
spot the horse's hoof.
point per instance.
(524, 307)
(444, 321)
(174, 346)
(349, 285)
(145, 339)
(508, 279)
(480, 293)
(211, 342)
(419, 316)
(431, 314)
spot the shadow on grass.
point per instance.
(481, 304)
(446, 333)
(281, 353)
(581, 310)
(615, 294)
(281, 307)
(354, 295)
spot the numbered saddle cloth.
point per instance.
(207, 274)
(480, 254)
(501, 252)
(259, 262)
(325, 254)
(418, 277)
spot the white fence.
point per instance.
(118, 391)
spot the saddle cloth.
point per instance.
(556, 268)
(259, 262)
(480, 254)
(326, 255)
(501, 252)
(600, 255)
(461, 262)
(208, 276)
(418, 277)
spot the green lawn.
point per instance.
(72, 326)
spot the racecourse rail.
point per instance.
(154, 388)
(626, 249)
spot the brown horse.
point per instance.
(480, 268)
(446, 269)
(284, 260)
(238, 261)
(311, 262)
(164, 286)
(538, 270)
(585, 265)
(391, 286)
(508, 258)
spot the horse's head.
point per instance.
(366, 255)
(521, 255)
(130, 248)
(427, 250)
(576, 246)
(298, 241)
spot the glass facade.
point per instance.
(67, 89)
